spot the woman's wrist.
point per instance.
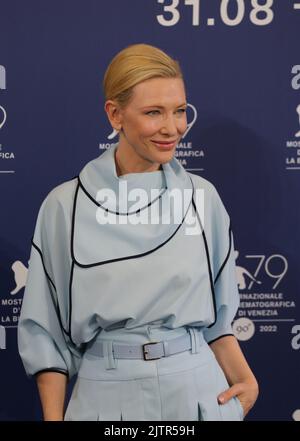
(53, 416)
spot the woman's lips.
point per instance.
(165, 145)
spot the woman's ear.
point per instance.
(113, 111)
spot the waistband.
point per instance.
(152, 350)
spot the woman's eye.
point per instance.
(183, 110)
(153, 112)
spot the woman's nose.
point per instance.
(169, 126)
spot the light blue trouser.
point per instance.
(180, 387)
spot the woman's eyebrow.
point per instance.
(161, 107)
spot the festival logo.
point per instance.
(2, 337)
(188, 155)
(242, 274)
(263, 300)
(296, 415)
(10, 307)
(3, 117)
(243, 329)
(297, 135)
(296, 337)
(5, 156)
(2, 78)
(292, 160)
(20, 275)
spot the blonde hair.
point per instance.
(134, 64)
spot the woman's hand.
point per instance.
(237, 372)
(246, 392)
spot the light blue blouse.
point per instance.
(86, 276)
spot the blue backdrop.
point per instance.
(241, 64)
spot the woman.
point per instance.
(108, 276)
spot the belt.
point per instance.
(152, 350)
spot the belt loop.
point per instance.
(194, 340)
(198, 341)
(166, 348)
(110, 362)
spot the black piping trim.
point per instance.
(55, 301)
(208, 265)
(117, 212)
(120, 258)
(59, 371)
(73, 223)
(70, 302)
(43, 263)
(218, 338)
(228, 254)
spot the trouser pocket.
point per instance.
(211, 381)
(232, 410)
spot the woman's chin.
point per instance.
(164, 157)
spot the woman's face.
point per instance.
(153, 121)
